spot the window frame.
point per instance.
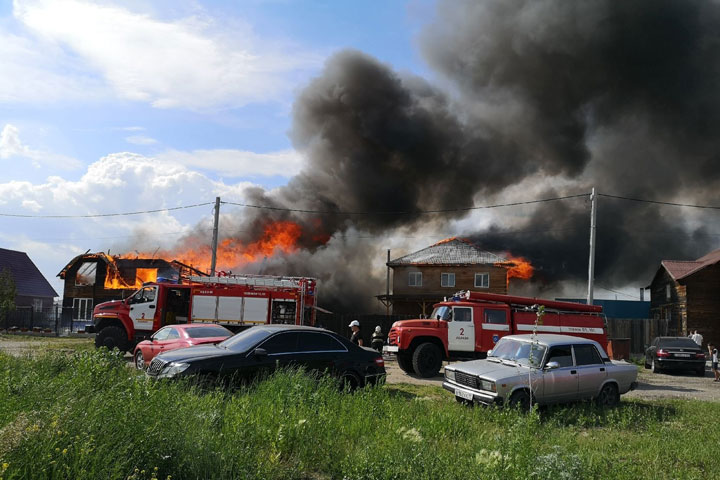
(84, 305)
(447, 275)
(416, 275)
(481, 275)
(454, 317)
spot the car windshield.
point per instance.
(442, 313)
(205, 332)
(246, 339)
(678, 343)
(524, 353)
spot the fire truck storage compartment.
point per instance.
(283, 311)
(207, 308)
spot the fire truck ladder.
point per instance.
(254, 280)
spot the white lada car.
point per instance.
(543, 368)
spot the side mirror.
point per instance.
(551, 365)
(260, 352)
(489, 353)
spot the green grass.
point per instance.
(87, 415)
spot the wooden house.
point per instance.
(686, 294)
(94, 278)
(423, 278)
(32, 288)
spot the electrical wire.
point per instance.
(16, 215)
(404, 212)
(657, 202)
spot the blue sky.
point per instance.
(113, 106)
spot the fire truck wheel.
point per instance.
(405, 363)
(427, 360)
(112, 337)
(139, 360)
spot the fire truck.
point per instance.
(471, 323)
(235, 301)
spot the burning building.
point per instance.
(423, 278)
(93, 278)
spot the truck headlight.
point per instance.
(450, 374)
(173, 369)
(487, 385)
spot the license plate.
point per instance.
(391, 348)
(683, 355)
(463, 394)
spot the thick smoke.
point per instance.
(618, 95)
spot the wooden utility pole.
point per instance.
(591, 263)
(387, 286)
(215, 237)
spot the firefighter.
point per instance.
(355, 337)
(377, 339)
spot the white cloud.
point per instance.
(239, 163)
(192, 63)
(12, 147)
(140, 140)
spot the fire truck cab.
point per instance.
(235, 302)
(470, 324)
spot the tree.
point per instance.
(7, 294)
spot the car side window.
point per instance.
(172, 334)
(562, 355)
(587, 355)
(281, 343)
(462, 314)
(161, 334)
(318, 342)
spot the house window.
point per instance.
(82, 309)
(86, 274)
(667, 292)
(37, 304)
(482, 280)
(415, 279)
(447, 279)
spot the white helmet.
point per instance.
(354, 323)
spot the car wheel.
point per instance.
(655, 367)
(520, 399)
(139, 360)
(349, 381)
(405, 363)
(427, 360)
(609, 396)
(112, 337)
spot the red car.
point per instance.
(172, 337)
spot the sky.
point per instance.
(123, 106)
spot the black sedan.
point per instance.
(260, 350)
(675, 353)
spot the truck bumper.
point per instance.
(390, 349)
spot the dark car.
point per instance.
(675, 353)
(261, 349)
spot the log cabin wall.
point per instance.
(464, 279)
(703, 303)
(668, 301)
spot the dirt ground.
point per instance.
(651, 386)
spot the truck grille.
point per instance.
(156, 367)
(392, 337)
(466, 379)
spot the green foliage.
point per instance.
(87, 415)
(8, 293)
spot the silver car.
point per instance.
(542, 369)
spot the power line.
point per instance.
(15, 215)
(657, 202)
(403, 212)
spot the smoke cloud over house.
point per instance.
(561, 96)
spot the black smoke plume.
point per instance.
(558, 95)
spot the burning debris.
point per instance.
(554, 97)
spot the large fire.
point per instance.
(114, 281)
(518, 267)
(280, 236)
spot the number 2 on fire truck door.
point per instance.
(461, 330)
(142, 308)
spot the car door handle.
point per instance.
(151, 306)
(602, 369)
(573, 372)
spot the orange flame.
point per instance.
(518, 267)
(114, 281)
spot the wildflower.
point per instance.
(64, 452)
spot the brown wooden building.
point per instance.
(94, 278)
(423, 278)
(686, 295)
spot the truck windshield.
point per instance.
(524, 353)
(442, 313)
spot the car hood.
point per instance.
(489, 370)
(198, 352)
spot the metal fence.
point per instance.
(56, 319)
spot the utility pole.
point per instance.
(591, 265)
(387, 286)
(215, 237)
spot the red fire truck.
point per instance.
(235, 301)
(471, 323)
